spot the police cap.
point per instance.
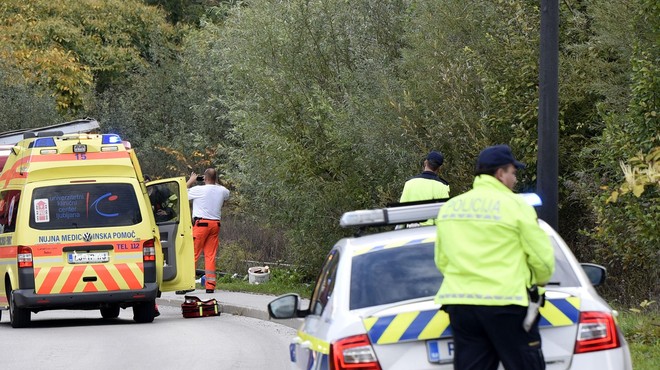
(497, 156)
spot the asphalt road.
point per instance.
(83, 340)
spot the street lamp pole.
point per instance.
(547, 175)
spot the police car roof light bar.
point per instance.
(402, 214)
(390, 216)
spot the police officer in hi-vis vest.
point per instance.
(491, 250)
(207, 203)
(428, 184)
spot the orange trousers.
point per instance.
(205, 234)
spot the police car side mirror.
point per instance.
(284, 306)
(595, 273)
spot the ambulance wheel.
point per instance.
(110, 312)
(144, 312)
(19, 317)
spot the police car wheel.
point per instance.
(110, 312)
(144, 312)
(19, 317)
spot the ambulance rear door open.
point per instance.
(169, 201)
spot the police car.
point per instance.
(372, 306)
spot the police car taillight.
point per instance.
(24, 257)
(353, 353)
(596, 332)
(149, 250)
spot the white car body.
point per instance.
(400, 332)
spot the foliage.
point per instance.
(73, 46)
(191, 12)
(299, 86)
(231, 258)
(628, 227)
(24, 106)
(170, 116)
(642, 171)
(256, 239)
(471, 74)
(627, 205)
(306, 85)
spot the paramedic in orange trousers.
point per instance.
(207, 203)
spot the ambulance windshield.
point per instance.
(84, 206)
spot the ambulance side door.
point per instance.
(169, 203)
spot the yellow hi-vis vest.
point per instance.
(424, 188)
(490, 247)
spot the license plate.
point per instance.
(440, 351)
(90, 257)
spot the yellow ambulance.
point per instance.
(78, 230)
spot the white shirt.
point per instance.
(207, 200)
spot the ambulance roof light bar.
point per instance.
(110, 139)
(29, 135)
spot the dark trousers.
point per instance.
(487, 335)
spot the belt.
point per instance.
(197, 221)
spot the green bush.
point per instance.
(231, 259)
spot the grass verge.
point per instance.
(641, 327)
(280, 282)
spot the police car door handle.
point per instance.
(306, 344)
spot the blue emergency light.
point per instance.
(43, 142)
(110, 139)
(532, 199)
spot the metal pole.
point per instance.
(547, 176)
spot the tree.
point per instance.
(308, 89)
(24, 106)
(628, 218)
(192, 12)
(72, 47)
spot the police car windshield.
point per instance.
(393, 275)
(84, 206)
(408, 272)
